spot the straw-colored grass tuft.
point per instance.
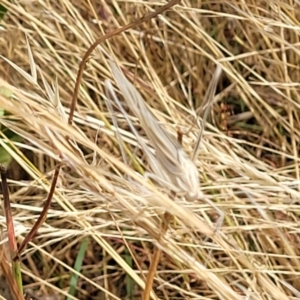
(248, 163)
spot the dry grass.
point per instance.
(248, 162)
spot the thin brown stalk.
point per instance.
(42, 216)
(12, 242)
(8, 215)
(156, 259)
(104, 38)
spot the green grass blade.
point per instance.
(16, 268)
(129, 280)
(77, 267)
(3, 11)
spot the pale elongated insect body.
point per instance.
(172, 164)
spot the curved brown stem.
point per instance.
(104, 38)
(42, 216)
